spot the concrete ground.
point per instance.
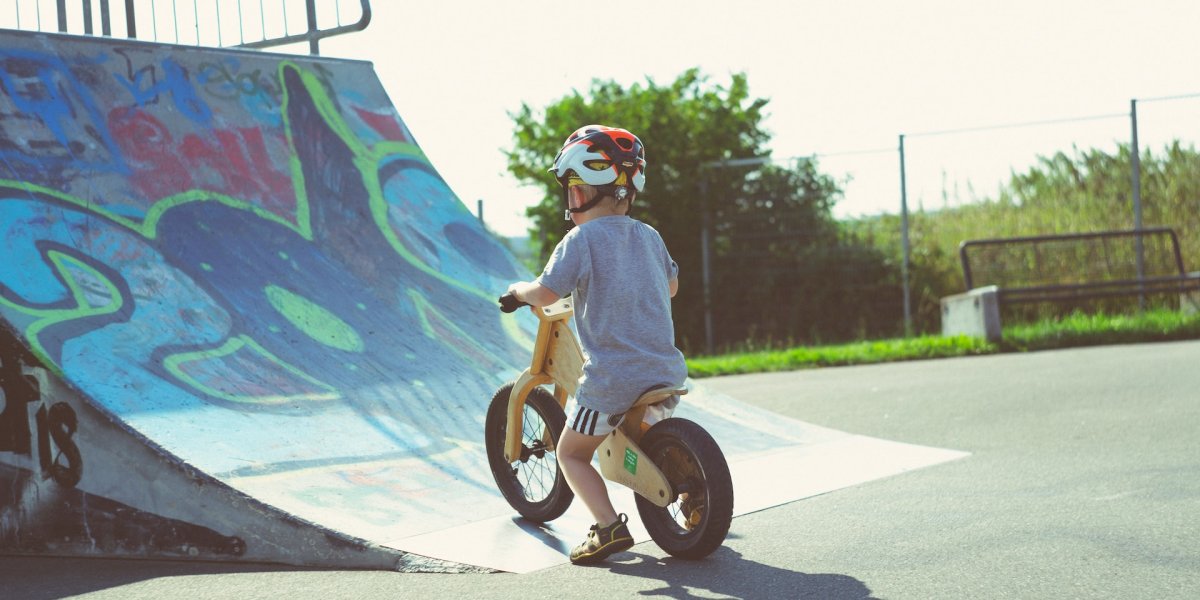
(1084, 482)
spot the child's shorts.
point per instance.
(593, 422)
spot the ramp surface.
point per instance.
(244, 318)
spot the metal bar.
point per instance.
(705, 264)
(130, 21)
(1129, 283)
(1175, 246)
(966, 266)
(904, 242)
(1131, 287)
(1070, 236)
(1135, 166)
(196, 19)
(62, 16)
(105, 20)
(220, 42)
(313, 41)
(360, 25)
(87, 16)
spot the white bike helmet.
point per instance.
(608, 158)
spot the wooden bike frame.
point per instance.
(558, 361)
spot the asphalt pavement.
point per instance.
(1083, 482)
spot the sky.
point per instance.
(844, 78)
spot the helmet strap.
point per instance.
(619, 192)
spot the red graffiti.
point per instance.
(385, 125)
(236, 162)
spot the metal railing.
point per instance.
(1030, 252)
(215, 23)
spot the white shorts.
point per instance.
(593, 422)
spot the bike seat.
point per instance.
(658, 395)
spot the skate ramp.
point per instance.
(243, 318)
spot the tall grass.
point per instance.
(1077, 192)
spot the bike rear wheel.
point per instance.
(532, 484)
(696, 522)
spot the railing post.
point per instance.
(87, 16)
(313, 40)
(908, 326)
(105, 19)
(130, 24)
(1135, 165)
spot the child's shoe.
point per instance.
(603, 542)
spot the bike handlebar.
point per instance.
(509, 303)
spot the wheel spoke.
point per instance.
(537, 468)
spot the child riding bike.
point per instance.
(622, 280)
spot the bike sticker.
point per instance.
(631, 459)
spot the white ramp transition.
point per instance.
(802, 461)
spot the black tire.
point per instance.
(696, 522)
(533, 484)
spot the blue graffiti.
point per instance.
(44, 88)
(145, 87)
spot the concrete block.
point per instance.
(975, 313)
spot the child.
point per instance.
(622, 279)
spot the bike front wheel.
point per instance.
(696, 522)
(531, 483)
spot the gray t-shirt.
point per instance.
(618, 270)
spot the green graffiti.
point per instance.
(176, 364)
(64, 265)
(316, 322)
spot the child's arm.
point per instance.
(534, 294)
(673, 286)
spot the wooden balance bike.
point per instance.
(684, 493)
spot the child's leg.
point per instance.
(575, 452)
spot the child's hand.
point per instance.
(509, 302)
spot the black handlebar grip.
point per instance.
(509, 303)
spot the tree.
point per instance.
(781, 270)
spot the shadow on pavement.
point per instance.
(38, 578)
(735, 578)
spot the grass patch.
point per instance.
(1081, 329)
(1075, 330)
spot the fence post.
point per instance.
(1135, 166)
(908, 328)
(705, 265)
